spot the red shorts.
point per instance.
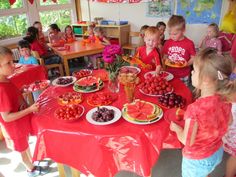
(19, 145)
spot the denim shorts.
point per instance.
(202, 167)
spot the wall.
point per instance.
(135, 14)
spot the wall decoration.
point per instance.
(161, 8)
(200, 11)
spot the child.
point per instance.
(32, 38)
(69, 35)
(99, 36)
(15, 115)
(91, 36)
(55, 35)
(211, 40)
(141, 35)
(41, 36)
(179, 48)
(162, 27)
(25, 52)
(230, 143)
(207, 119)
(149, 53)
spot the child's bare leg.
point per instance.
(230, 167)
(26, 159)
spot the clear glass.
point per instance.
(53, 3)
(4, 4)
(114, 85)
(61, 17)
(13, 26)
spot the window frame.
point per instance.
(30, 9)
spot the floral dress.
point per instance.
(230, 138)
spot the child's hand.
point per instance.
(34, 107)
(173, 126)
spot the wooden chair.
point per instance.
(41, 62)
(131, 46)
(61, 170)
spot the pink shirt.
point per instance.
(179, 50)
(212, 116)
(214, 43)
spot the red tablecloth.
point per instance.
(26, 74)
(100, 150)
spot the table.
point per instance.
(26, 74)
(77, 49)
(100, 150)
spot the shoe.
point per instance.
(33, 173)
(42, 163)
(42, 170)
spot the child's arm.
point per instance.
(106, 41)
(12, 116)
(158, 69)
(163, 60)
(190, 62)
(183, 133)
(201, 43)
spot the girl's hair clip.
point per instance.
(232, 76)
(220, 76)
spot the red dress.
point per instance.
(153, 58)
(179, 50)
(212, 116)
(15, 132)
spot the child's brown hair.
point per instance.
(216, 29)
(177, 21)
(219, 69)
(152, 30)
(5, 51)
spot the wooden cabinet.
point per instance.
(113, 32)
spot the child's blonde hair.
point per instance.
(151, 31)
(177, 21)
(4, 51)
(216, 29)
(219, 69)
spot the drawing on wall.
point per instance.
(160, 8)
(200, 11)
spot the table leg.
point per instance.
(61, 170)
(67, 69)
(75, 172)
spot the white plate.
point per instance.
(143, 123)
(117, 116)
(54, 82)
(168, 78)
(155, 95)
(138, 69)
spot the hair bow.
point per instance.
(232, 76)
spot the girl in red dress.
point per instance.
(207, 119)
(15, 115)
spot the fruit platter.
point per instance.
(69, 113)
(103, 115)
(101, 99)
(37, 85)
(70, 98)
(64, 81)
(171, 100)
(129, 69)
(88, 84)
(82, 73)
(175, 115)
(141, 112)
(176, 64)
(155, 86)
(163, 74)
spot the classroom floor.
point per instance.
(168, 165)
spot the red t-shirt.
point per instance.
(179, 50)
(153, 58)
(233, 49)
(11, 100)
(212, 116)
(37, 46)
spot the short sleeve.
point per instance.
(190, 113)
(5, 101)
(157, 58)
(34, 61)
(192, 50)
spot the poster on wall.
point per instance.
(200, 11)
(161, 8)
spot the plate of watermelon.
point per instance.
(176, 64)
(130, 69)
(88, 84)
(82, 73)
(142, 112)
(163, 74)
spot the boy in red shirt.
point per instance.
(178, 49)
(149, 53)
(14, 114)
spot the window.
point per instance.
(15, 19)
